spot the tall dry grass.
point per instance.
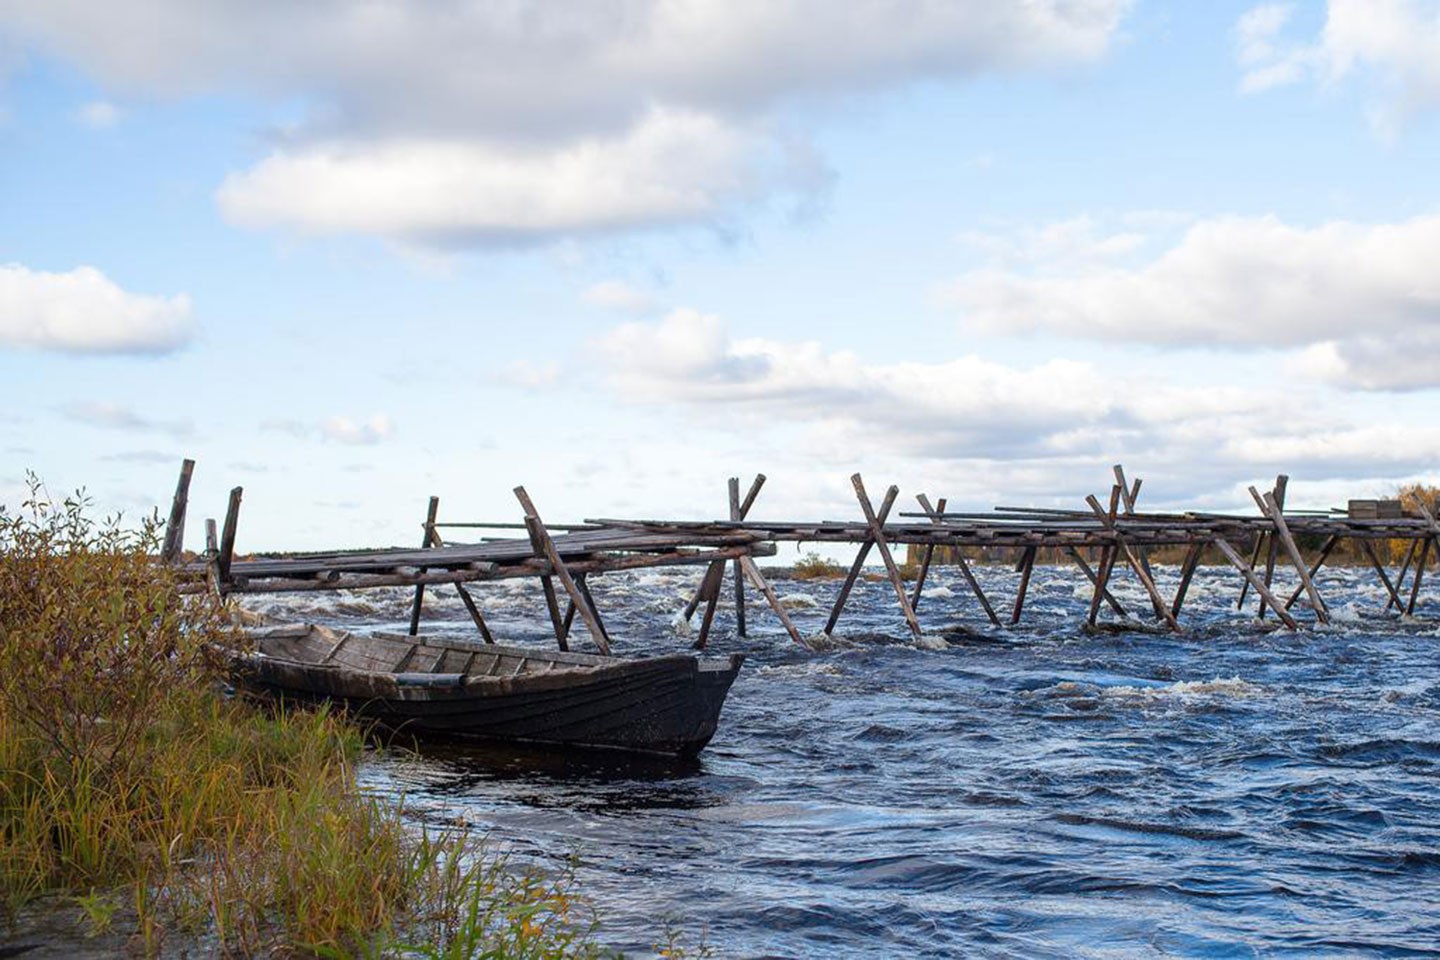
(130, 784)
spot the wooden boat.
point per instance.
(665, 705)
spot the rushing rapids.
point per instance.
(1040, 791)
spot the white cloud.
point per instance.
(1050, 418)
(1238, 282)
(115, 416)
(502, 122)
(98, 115)
(357, 432)
(619, 295)
(337, 429)
(670, 168)
(1392, 45)
(83, 311)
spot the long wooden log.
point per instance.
(877, 534)
(1274, 548)
(547, 587)
(710, 590)
(1128, 496)
(858, 564)
(1102, 577)
(1249, 574)
(547, 545)
(739, 580)
(175, 526)
(1404, 569)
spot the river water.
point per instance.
(1027, 792)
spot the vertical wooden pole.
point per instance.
(1128, 496)
(426, 539)
(547, 587)
(212, 557)
(739, 580)
(745, 506)
(1417, 576)
(1102, 577)
(227, 536)
(858, 563)
(175, 526)
(877, 534)
(1404, 569)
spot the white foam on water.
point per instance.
(928, 642)
(798, 601)
(680, 626)
(1234, 688)
(938, 593)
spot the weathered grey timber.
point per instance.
(667, 705)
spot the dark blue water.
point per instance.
(1037, 792)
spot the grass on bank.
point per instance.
(133, 788)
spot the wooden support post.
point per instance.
(1090, 575)
(1404, 569)
(1255, 581)
(1102, 577)
(878, 535)
(710, 591)
(1325, 550)
(1270, 507)
(1128, 496)
(1390, 588)
(744, 511)
(541, 537)
(547, 587)
(929, 554)
(470, 606)
(960, 560)
(1108, 519)
(227, 537)
(753, 572)
(1187, 571)
(1261, 540)
(1274, 548)
(175, 526)
(859, 563)
(1026, 566)
(739, 580)
(212, 557)
(1424, 554)
(426, 540)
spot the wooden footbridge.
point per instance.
(1105, 540)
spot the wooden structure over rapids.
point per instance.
(1103, 541)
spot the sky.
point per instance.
(348, 255)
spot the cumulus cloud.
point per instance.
(1393, 45)
(485, 122)
(1241, 282)
(670, 168)
(116, 416)
(1046, 419)
(83, 311)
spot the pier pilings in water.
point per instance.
(1104, 540)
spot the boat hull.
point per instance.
(666, 705)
